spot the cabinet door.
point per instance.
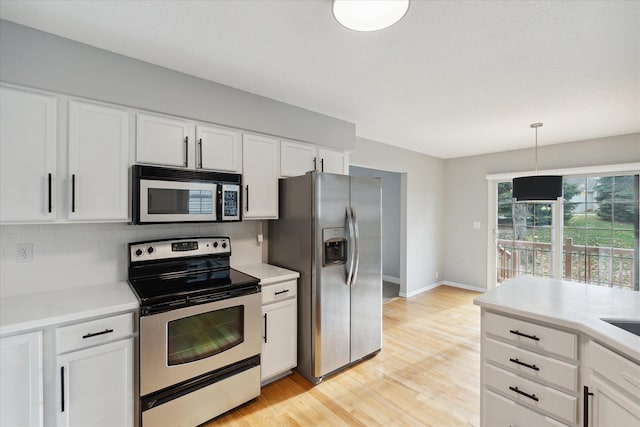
(162, 141)
(218, 149)
(260, 170)
(98, 162)
(95, 386)
(27, 156)
(21, 385)
(611, 408)
(297, 159)
(279, 352)
(333, 161)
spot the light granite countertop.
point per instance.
(268, 273)
(33, 311)
(571, 305)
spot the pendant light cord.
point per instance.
(536, 126)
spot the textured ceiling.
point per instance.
(453, 78)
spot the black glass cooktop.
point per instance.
(189, 288)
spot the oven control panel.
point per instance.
(179, 248)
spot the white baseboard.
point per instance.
(463, 286)
(391, 279)
(419, 291)
(435, 285)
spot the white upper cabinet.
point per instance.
(163, 141)
(297, 159)
(260, 171)
(27, 156)
(333, 161)
(98, 162)
(218, 149)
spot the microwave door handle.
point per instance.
(350, 246)
(357, 247)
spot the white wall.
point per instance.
(424, 215)
(465, 248)
(41, 60)
(391, 208)
(76, 255)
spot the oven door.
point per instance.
(181, 344)
(177, 201)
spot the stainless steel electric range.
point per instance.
(200, 330)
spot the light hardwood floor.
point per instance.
(427, 374)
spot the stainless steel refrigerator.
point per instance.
(329, 231)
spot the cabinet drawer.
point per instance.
(279, 291)
(500, 411)
(533, 365)
(615, 368)
(81, 335)
(555, 402)
(538, 337)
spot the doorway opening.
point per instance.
(391, 222)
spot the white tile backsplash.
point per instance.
(74, 255)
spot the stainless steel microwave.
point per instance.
(165, 195)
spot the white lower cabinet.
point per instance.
(279, 333)
(529, 373)
(95, 377)
(612, 389)
(21, 397)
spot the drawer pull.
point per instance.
(95, 334)
(516, 361)
(530, 396)
(281, 292)
(531, 337)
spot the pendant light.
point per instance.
(369, 15)
(537, 187)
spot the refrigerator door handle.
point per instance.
(357, 246)
(350, 246)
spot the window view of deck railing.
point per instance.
(598, 223)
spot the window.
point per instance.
(597, 224)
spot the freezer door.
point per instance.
(330, 303)
(366, 289)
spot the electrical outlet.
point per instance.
(24, 252)
(437, 275)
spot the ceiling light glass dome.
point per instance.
(369, 15)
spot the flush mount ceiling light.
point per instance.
(537, 187)
(369, 15)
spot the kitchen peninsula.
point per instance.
(548, 357)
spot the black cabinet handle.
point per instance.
(95, 334)
(73, 192)
(265, 327)
(281, 292)
(585, 406)
(531, 337)
(530, 396)
(321, 165)
(315, 166)
(516, 361)
(186, 151)
(200, 145)
(49, 189)
(62, 388)
(247, 206)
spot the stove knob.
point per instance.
(215, 244)
(138, 252)
(150, 250)
(224, 245)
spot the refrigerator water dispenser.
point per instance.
(335, 246)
